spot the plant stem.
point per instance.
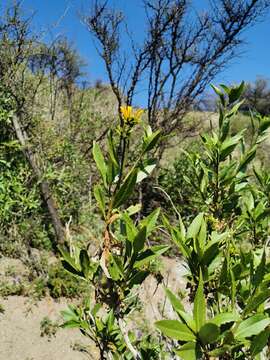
(131, 348)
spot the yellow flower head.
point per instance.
(131, 116)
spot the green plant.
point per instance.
(124, 260)
(225, 248)
(48, 328)
(177, 180)
(9, 289)
(2, 309)
(62, 284)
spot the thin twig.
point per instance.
(131, 348)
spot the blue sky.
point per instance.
(61, 17)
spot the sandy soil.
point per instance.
(20, 332)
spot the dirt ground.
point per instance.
(20, 332)
(20, 323)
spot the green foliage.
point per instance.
(224, 247)
(178, 182)
(48, 328)
(125, 257)
(8, 289)
(62, 284)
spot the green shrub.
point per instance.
(228, 280)
(62, 284)
(177, 181)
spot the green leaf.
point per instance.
(115, 267)
(138, 278)
(199, 310)
(150, 221)
(150, 254)
(236, 92)
(189, 351)
(202, 234)
(219, 93)
(85, 263)
(259, 342)
(100, 197)
(209, 333)
(125, 190)
(69, 314)
(96, 309)
(68, 259)
(247, 158)
(233, 287)
(100, 162)
(110, 321)
(179, 308)
(71, 324)
(151, 141)
(131, 230)
(235, 109)
(225, 88)
(139, 240)
(145, 170)
(260, 271)
(229, 145)
(175, 302)
(134, 209)
(71, 269)
(264, 124)
(210, 254)
(220, 351)
(111, 149)
(180, 243)
(256, 300)
(175, 329)
(112, 172)
(259, 176)
(252, 326)
(194, 227)
(224, 318)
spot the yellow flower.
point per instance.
(131, 116)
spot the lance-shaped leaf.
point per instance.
(139, 241)
(247, 158)
(125, 190)
(115, 267)
(256, 300)
(151, 141)
(150, 221)
(259, 342)
(224, 318)
(235, 92)
(138, 278)
(195, 226)
(252, 326)
(189, 351)
(85, 263)
(199, 310)
(179, 308)
(150, 254)
(100, 162)
(229, 145)
(145, 170)
(176, 330)
(260, 271)
(100, 197)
